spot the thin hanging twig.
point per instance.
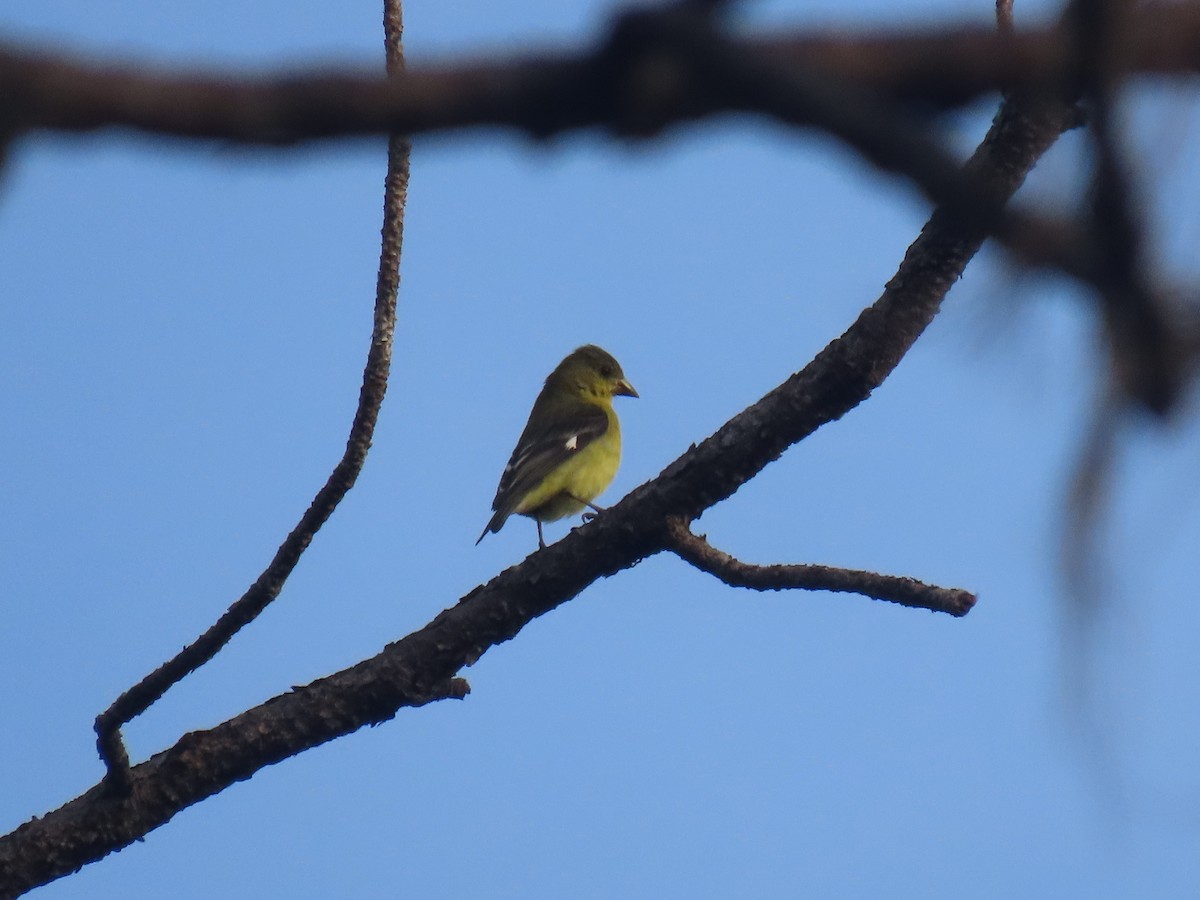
(266, 588)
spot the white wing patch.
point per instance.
(572, 442)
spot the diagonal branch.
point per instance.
(696, 550)
(266, 588)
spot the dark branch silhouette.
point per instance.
(696, 550)
(545, 94)
(1148, 354)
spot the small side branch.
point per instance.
(700, 553)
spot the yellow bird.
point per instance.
(571, 446)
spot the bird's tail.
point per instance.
(494, 524)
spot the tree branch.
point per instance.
(696, 550)
(266, 588)
(545, 94)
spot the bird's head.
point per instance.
(591, 371)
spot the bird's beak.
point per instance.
(624, 389)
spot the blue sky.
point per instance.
(181, 340)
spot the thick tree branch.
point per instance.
(422, 666)
(266, 588)
(199, 765)
(545, 94)
(696, 550)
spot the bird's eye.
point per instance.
(607, 371)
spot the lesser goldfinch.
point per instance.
(571, 446)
